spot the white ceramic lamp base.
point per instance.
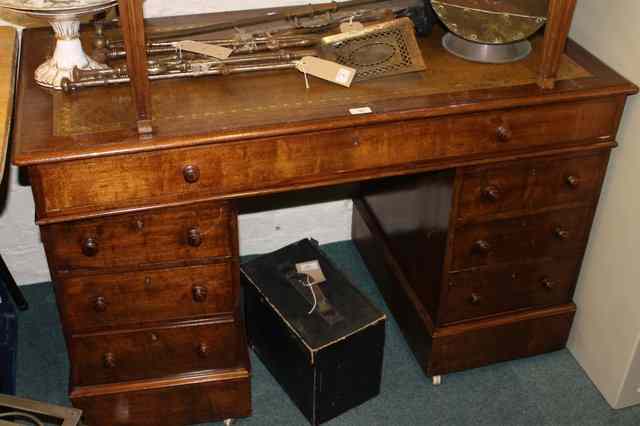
(67, 56)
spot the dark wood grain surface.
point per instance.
(129, 242)
(524, 238)
(156, 352)
(478, 293)
(513, 187)
(192, 400)
(320, 158)
(134, 298)
(53, 126)
(481, 188)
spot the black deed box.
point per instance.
(328, 361)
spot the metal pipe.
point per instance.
(258, 44)
(174, 67)
(69, 86)
(264, 18)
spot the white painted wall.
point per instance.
(607, 328)
(259, 232)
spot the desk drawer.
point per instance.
(556, 234)
(155, 353)
(531, 184)
(505, 288)
(132, 298)
(313, 158)
(133, 240)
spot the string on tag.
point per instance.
(309, 285)
(300, 66)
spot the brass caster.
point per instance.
(437, 380)
(229, 422)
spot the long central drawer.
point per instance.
(319, 157)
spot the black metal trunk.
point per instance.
(329, 361)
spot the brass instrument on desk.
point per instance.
(380, 50)
(239, 45)
(301, 28)
(490, 31)
(173, 67)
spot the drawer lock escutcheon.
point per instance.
(194, 237)
(203, 350)
(109, 360)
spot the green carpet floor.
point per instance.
(545, 390)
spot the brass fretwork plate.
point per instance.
(379, 51)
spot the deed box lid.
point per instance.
(341, 309)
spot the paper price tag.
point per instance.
(327, 70)
(313, 270)
(351, 27)
(360, 111)
(212, 50)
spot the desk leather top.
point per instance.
(7, 78)
(53, 126)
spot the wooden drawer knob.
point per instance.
(194, 237)
(100, 304)
(203, 350)
(109, 360)
(475, 299)
(191, 173)
(548, 284)
(482, 247)
(504, 133)
(90, 247)
(561, 234)
(573, 182)
(491, 193)
(199, 294)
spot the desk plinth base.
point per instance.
(447, 349)
(172, 402)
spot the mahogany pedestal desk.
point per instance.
(477, 194)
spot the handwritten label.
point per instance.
(212, 50)
(351, 27)
(313, 270)
(327, 70)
